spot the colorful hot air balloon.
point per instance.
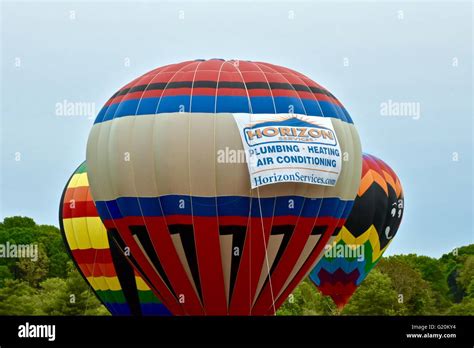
(367, 233)
(198, 233)
(103, 265)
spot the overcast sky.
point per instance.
(365, 53)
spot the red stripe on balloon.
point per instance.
(79, 209)
(253, 258)
(206, 236)
(307, 266)
(171, 263)
(157, 284)
(89, 256)
(99, 269)
(285, 266)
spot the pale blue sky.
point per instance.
(407, 59)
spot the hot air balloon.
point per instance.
(367, 233)
(205, 241)
(102, 264)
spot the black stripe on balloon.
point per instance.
(186, 234)
(126, 278)
(336, 231)
(238, 239)
(287, 231)
(223, 84)
(317, 230)
(391, 222)
(142, 234)
(115, 237)
(369, 209)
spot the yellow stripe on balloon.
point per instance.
(97, 233)
(112, 283)
(370, 235)
(141, 285)
(69, 232)
(79, 180)
(73, 181)
(82, 239)
(105, 283)
(92, 282)
(92, 233)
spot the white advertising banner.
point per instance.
(290, 148)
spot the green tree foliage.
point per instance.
(51, 285)
(54, 296)
(18, 221)
(465, 307)
(18, 298)
(34, 271)
(306, 300)
(465, 275)
(23, 230)
(453, 263)
(70, 296)
(470, 289)
(376, 296)
(5, 274)
(433, 272)
(413, 291)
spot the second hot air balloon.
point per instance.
(367, 233)
(102, 264)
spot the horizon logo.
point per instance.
(37, 331)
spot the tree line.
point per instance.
(399, 285)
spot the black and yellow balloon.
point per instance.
(372, 224)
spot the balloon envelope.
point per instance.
(103, 265)
(205, 241)
(367, 233)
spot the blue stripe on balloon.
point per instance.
(223, 206)
(227, 104)
(338, 263)
(118, 308)
(102, 210)
(112, 307)
(150, 309)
